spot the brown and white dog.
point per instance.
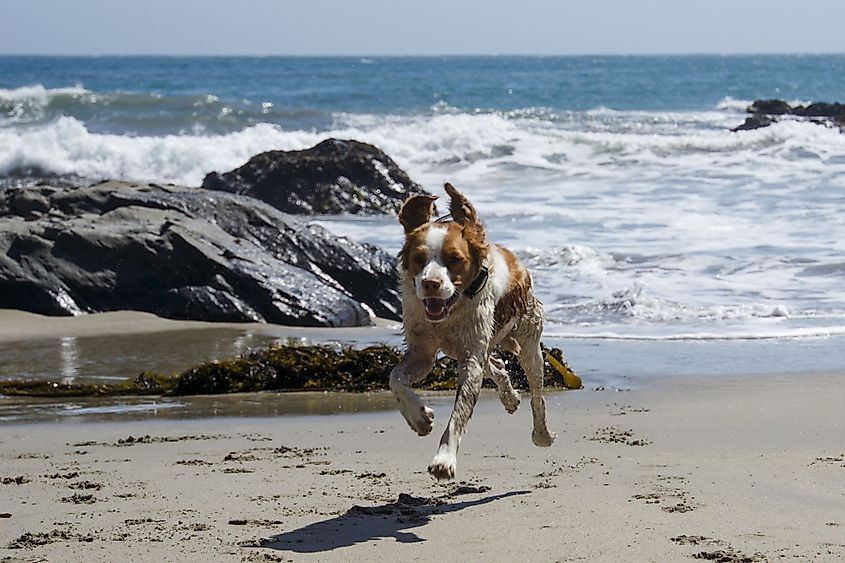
(463, 296)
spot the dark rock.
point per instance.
(332, 177)
(756, 121)
(183, 253)
(821, 113)
(770, 107)
(28, 203)
(832, 111)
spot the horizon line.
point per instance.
(439, 55)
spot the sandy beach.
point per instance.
(733, 469)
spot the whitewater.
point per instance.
(639, 223)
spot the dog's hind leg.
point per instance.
(507, 394)
(470, 374)
(413, 368)
(531, 359)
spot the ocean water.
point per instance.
(616, 179)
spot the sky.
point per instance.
(416, 27)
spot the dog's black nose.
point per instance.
(431, 285)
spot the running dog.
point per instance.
(463, 296)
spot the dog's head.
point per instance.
(442, 258)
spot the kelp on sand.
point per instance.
(281, 367)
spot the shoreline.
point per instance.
(115, 347)
(21, 325)
(743, 468)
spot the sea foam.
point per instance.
(38, 93)
(470, 146)
(67, 147)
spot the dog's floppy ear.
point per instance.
(460, 208)
(416, 211)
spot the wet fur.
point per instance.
(504, 313)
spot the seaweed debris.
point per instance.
(287, 368)
(144, 384)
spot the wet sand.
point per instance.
(19, 325)
(122, 344)
(105, 347)
(76, 410)
(733, 469)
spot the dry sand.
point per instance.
(740, 469)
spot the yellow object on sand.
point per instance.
(570, 380)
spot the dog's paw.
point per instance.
(421, 420)
(443, 467)
(510, 400)
(543, 438)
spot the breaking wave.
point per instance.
(695, 145)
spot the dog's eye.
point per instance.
(455, 260)
(419, 259)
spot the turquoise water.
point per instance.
(160, 95)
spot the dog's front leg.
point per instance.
(413, 368)
(470, 375)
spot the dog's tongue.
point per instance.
(434, 306)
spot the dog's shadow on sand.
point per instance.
(364, 523)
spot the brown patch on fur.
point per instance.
(518, 298)
(466, 227)
(416, 211)
(462, 211)
(414, 253)
(463, 252)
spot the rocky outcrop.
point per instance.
(756, 121)
(835, 111)
(332, 177)
(763, 112)
(769, 107)
(183, 253)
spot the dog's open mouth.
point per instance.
(438, 309)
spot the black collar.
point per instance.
(478, 283)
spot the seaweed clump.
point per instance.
(290, 368)
(146, 383)
(312, 368)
